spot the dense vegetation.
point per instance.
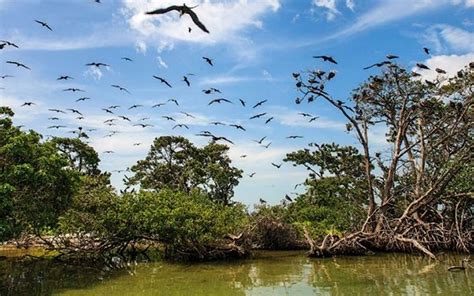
(418, 194)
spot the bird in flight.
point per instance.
(72, 89)
(182, 10)
(124, 118)
(143, 124)
(44, 24)
(65, 77)
(261, 140)
(378, 64)
(174, 101)
(185, 79)
(18, 64)
(238, 126)
(168, 118)
(242, 102)
(4, 43)
(180, 125)
(216, 123)
(158, 105)
(83, 99)
(259, 103)
(57, 126)
(277, 165)
(120, 88)
(426, 50)
(251, 175)
(187, 114)
(391, 56)
(127, 59)
(162, 80)
(326, 58)
(440, 71)
(208, 60)
(268, 120)
(294, 137)
(6, 76)
(98, 65)
(422, 66)
(28, 104)
(258, 115)
(75, 111)
(57, 111)
(134, 106)
(220, 100)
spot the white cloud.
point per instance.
(94, 72)
(330, 6)
(162, 63)
(450, 63)
(266, 75)
(225, 20)
(350, 4)
(449, 38)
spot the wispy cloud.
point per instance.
(446, 38)
(329, 6)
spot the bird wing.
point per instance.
(368, 67)
(196, 20)
(164, 10)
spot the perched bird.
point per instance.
(162, 80)
(259, 103)
(440, 71)
(44, 24)
(65, 77)
(326, 58)
(288, 198)
(208, 60)
(182, 10)
(18, 64)
(262, 201)
(422, 66)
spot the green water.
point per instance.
(270, 273)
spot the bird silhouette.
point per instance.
(83, 99)
(187, 114)
(180, 125)
(4, 43)
(260, 141)
(305, 114)
(326, 58)
(262, 201)
(185, 79)
(28, 104)
(313, 118)
(126, 59)
(294, 137)
(65, 77)
(277, 165)
(208, 60)
(134, 106)
(6, 76)
(238, 126)
(44, 24)
(251, 175)
(331, 75)
(18, 64)
(268, 145)
(143, 125)
(440, 71)
(108, 110)
(168, 118)
(74, 111)
(258, 115)
(98, 65)
(124, 118)
(162, 80)
(422, 66)
(120, 88)
(426, 50)
(288, 198)
(259, 103)
(73, 89)
(268, 120)
(56, 126)
(391, 56)
(57, 111)
(182, 10)
(378, 64)
(220, 100)
(217, 123)
(158, 105)
(242, 102)
(174, 101)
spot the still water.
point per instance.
(269, 273)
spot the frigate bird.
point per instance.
(44, 24)
(326, 58)
(182, 10)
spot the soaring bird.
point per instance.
(73, 89)
(268, 120)
(108, 110)
(268, 145)
(162, 80)
(18, 64)
(251, 175)
(65, 77)
(120, 88)
(185, 79)
(57, 111)
(3, 43)
(294, 137)
(426, 50)
(238, 126)
(313, 118)
(134, 106)
(124, 118)
(127, 59)
(44, 24)
(182, 10)
(378, 64)
(75, 111)
(174, 101)
(220, 100)
(277, 165)
(258, 115)
(57, 126)
(260, 141)
(6, 76)
(142, 124)
(53, 118)
(326, 58)
(28, 104)
(391, 56)
(305, 114)
(168, 118)
(158, 105)
(208, 60)
(242, 102)
(83, 99)
(215, 90)
(181, 125)
(259, 103)
(217, 123)
(98, 65)
(187, 114)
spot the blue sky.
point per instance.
(255, 46)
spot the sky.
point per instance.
(255, 46)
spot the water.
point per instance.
(270, 273)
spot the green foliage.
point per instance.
(35, 186)
(175, 163)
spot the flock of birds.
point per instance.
(144, 122)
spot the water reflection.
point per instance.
(271, 273)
